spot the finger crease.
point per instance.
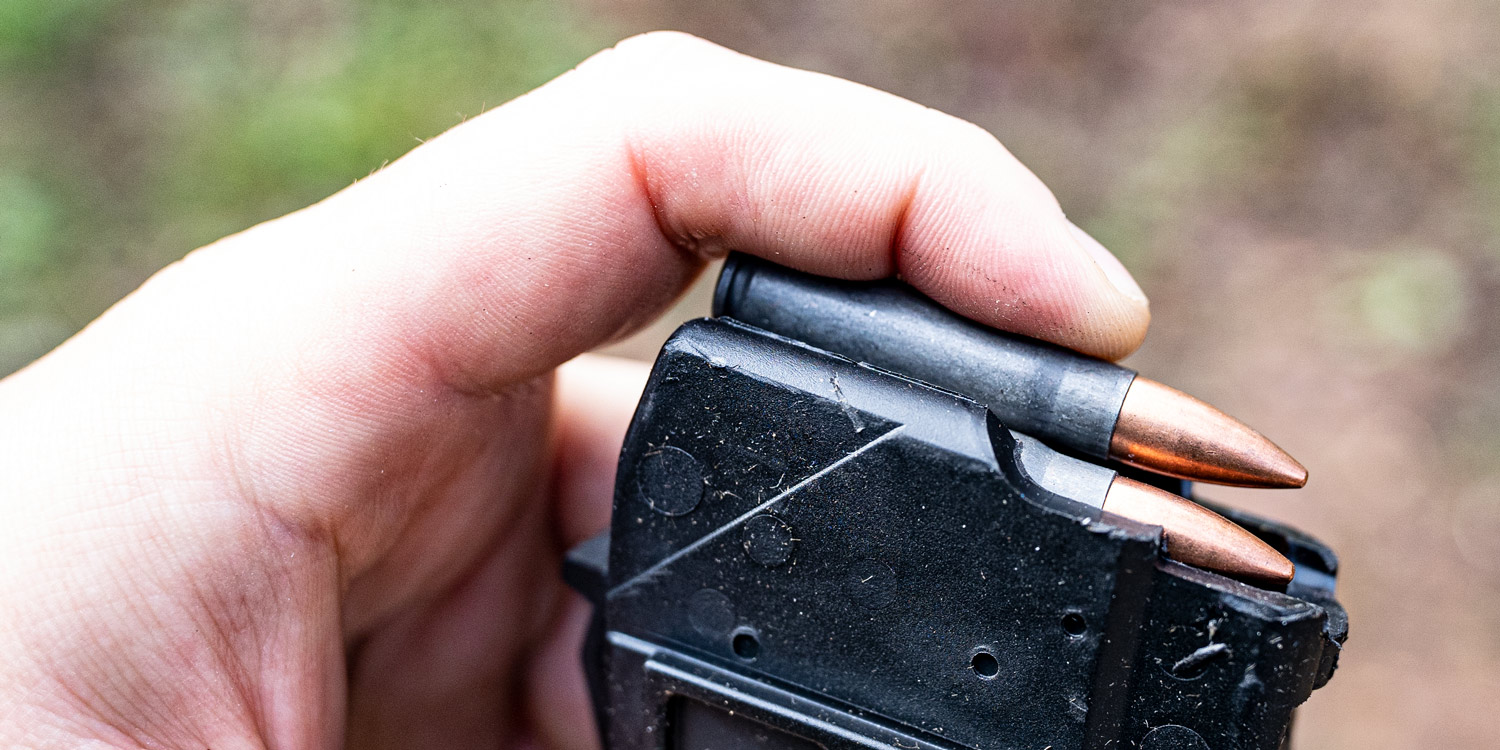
(895, 250)
(640, 174)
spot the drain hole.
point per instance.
(1074, 623)
(985, 665)
(746, 646)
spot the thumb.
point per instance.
(295, 371)
(324, 343)
(576, 213)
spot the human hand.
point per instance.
(311, 485)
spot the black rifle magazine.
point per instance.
(807, 552)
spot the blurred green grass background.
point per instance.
(133, 132)
(1309, 191)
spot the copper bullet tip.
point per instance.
(1164, 430)
(1198, 536)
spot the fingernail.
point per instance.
(1113, 269)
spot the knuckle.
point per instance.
(653, 53)
(664, 46)
(962, 134)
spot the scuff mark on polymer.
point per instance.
(849, 411)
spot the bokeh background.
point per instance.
(1309, 192)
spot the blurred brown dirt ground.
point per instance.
(1308, 191)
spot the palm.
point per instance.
(493, 655)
